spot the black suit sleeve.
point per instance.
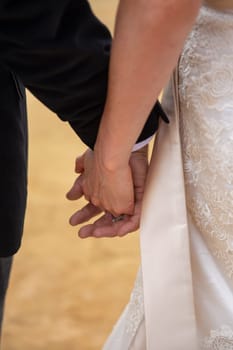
(60, 50)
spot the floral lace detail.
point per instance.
(135, 310)
(221, 339)
(206, 95)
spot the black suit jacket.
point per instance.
(60, 51)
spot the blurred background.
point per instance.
(65, 293)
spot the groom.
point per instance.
(60, 52)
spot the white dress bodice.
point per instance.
(206, 100)
(206, 126)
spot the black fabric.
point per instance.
(60, 51)
(13, 160)
(5, 269)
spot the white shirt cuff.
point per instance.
(141, 144)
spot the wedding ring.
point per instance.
(117, 218)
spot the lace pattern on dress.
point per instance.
(135, 310)
(221, 339)
(206, 123)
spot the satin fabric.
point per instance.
(168, 285)
(171, 324)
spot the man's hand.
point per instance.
(104, 227)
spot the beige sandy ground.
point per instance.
(65, 293)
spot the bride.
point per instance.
(183, 295)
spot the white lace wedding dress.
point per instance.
(183, 296)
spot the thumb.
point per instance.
(79, 164)
(76, 190)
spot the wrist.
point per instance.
(111, 157)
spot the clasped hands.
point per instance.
(110, 191)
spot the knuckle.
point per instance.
(87, 197)
(95, 201)
(116, 211)
(85, 189)
(84, 183)
(129, 208)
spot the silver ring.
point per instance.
(117, 218)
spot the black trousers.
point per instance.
(13, 175)
(5, 268)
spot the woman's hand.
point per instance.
(104, 226)
(108, 189)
